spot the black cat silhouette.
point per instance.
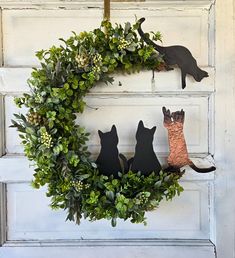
(108, 162)
(145, 160)
(176, 55)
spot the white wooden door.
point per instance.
(199, 223)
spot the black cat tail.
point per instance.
(129, 162)
(146, 38)
(171, 169)
(202, 170)
(125, 162)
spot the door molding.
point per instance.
(224, 128)
(116, 4)
(2, 126)
(92, 249)
(3, 215)
(115, 242)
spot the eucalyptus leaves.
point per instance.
(58, 146)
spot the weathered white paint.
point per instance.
(189, 219)
(115, 4)
(33, 24)
(224, 128)
(37, 34)
(13, 81)
(135, 249)
(1, 47)
(3, 213)
(2, 126)
(13, 141)
(125, 113)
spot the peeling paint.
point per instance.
(3, 216)
(1, 41)
(2, 127)
(145, 5)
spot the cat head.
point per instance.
(145, 134)
(109, 138)
(200, 75)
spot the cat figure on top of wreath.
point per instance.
(108, 161)
(176, 55)
(145, 159)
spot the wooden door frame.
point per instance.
(3, 209)
(3, 215)
(224, 129)
(2, 126)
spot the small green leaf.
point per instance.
(127, 27)
(94, 165)
(114, 222)
(30, 130)
(85, 176)
(110, 195)
(157, 184)
(167, 178)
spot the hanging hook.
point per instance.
(107, 10)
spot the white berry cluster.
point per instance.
(79, 186)
(97, 60)
(38, 98)
(82, 60)
(96, 69)
(46, 139)
(141, 199)
(123, 44)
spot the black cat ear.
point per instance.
(153, 129)
(141, 124)
(114, 129)
(100, 133)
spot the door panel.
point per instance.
(125, 113)
(113, 250)
(33, 26)
(31, 218)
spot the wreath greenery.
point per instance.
(57, 145)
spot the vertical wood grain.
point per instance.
(1, 39)
(2, 126)
(2, 213)
(224, 129)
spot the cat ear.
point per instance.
(153, 129)
(141, 124)
(114, 129)
(100, 133)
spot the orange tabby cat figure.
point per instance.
(178, 157)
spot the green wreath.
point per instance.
(57, 145)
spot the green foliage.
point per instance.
(57, 145)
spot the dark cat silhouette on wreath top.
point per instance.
(108, 162)
(145, 159)
(176, 55)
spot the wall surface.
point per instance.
(194, 224)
